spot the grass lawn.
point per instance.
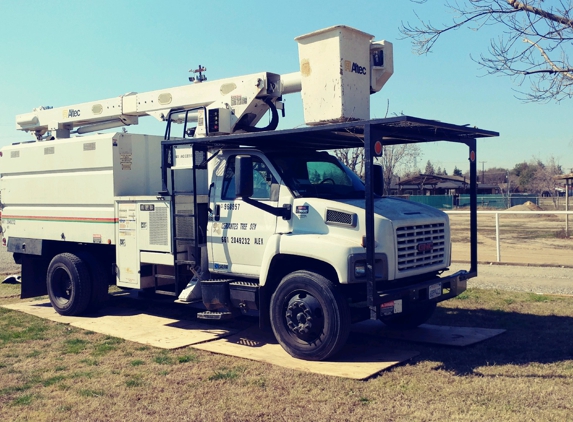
(50, 371)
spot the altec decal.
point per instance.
(354, 67)
(71, 113)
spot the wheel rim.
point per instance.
(304, 317)
(62, 287)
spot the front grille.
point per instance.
(420, 246)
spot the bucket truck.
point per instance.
(231, 217)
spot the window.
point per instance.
(316, 174)
(262, 179)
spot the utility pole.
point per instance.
(483, 171)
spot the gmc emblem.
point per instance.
(425, 247)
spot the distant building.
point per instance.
(434, 184)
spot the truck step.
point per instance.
(184, 261)
(219, 316)
(246, 285)
(165, 292)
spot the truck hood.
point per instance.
(396, 209)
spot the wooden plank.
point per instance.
(132, 325)
(427, 333)
(353, 362)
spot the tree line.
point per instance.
(399, 162)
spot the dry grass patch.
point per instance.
(51, 371)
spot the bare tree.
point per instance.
(395, 159)
(534, 45)
(353, 158)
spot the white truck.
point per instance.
(234, 218)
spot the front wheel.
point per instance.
(309, 316)
(420, 315)
(69, 284)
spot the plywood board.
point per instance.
(133, 325)
(353, 362)
(426, 333)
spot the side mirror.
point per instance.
(243, 176)
(378, 180)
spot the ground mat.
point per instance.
(132, 324)
(426, 333)
(352, 362)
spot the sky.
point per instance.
(59, 53)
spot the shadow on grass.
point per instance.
(529, 339)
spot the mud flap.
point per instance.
(34, 270)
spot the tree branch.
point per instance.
(517, 5)
(554, 68)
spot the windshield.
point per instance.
(317, 175)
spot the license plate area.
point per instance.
(434, 290)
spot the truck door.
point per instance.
(239, 232)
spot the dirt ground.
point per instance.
(537, 240)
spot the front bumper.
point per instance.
(404, 299)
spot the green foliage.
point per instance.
(53, 380)
(429, 168)
(525, 174)
(163, 359)
(24, 400)
(534, 297)
(188, 358)
(88, 392)
(226, 373)
(74, 345)
(134, 381)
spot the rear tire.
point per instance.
(69, 284)
(309, 316)
(411, 320)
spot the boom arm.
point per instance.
(246, 97)
(339, 68)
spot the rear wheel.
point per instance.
(69, 284)
(412, 319)
(309, 316)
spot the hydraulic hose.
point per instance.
(272, 124)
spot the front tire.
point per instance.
(69, 284)
(309, 316)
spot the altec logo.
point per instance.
(354, 67)
(71, 113)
